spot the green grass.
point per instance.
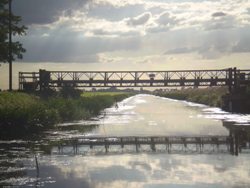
(211, 96)
(21, 112)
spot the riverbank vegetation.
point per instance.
(211, 96)
(27, 113)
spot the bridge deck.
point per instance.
(195, 78)
(132, 140)
(199, 142)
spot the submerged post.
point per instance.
(37, 166)
(231, 138)
(236, 143)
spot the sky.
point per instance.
(89, 31)
(157, 34)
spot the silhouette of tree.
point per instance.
(16, 29)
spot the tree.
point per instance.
(17, 49)
(9, 25)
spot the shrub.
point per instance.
(209, 96)
(22, 113)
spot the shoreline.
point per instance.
(23, 114)
(235, 102)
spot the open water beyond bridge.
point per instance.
(44, 79)
(197, 144)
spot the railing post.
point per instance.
(231, 143)
(136, 145)
(230, 79)
(106, 146)
(136, 76)
(44, 79)
(20, 81)
(236, 143)
(105, 78)
(235, 77)
(153, 144)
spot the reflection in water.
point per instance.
(240, 135)
(145, 170)
(151, 115)
(140, 115)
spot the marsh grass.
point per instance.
(24, 113)
(211, 96)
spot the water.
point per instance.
(140, 115)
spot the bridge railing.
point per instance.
(170, 143)
(28, 80)
(195, 78)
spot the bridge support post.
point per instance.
(167, 143)
(137, 146)
(231, 143)
(236, 144)
(136, 78)
(75, 147)
(20, 76)
(106, 147)
(105, 78)
(235, 78)
(60, 149)
(184, 144)
(169, 147)
(122, 145)
(152, 144)
(44, 78)
(230, 79)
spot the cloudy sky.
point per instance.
(142, 31)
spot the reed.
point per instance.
(27, 113)
(211, 96)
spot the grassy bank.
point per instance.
(27, 113)
(211, 96)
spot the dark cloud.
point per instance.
(71, 40)
(218, 14)
(44, 11)
(72, 46)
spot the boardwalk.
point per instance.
(81, 79)
(198, 144)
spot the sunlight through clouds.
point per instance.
(135, 29)
(163, 33)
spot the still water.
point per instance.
(139, 115)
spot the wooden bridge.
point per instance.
(44, 79)
(199, 144)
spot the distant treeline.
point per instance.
(211, 96)
(22, 113)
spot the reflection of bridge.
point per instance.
(80, 79)
(171, 144)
